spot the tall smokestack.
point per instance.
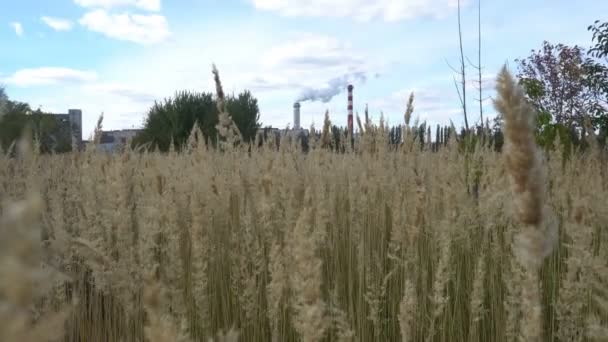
(350, 109)
(296, 115)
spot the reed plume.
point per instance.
(525, 169)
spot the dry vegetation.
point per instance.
(372, 245)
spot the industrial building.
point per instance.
(115, 141)
(70, 127)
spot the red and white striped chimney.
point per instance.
(350, 109)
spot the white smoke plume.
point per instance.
(334, 87)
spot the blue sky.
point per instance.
(119, 56)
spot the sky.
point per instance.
(118, 57)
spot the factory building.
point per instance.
(69, 128)
(115, 141)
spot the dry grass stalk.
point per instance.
(525, 169)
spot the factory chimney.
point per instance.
(296, 115)
(350, 109)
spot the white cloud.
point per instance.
(362, 10)
(312, 51)
(148, 5)
(48, 76)
(18, 28)
(132, 82)
(312, 60)
(134, 94)
(315, 67)
(57, 24)
(137, 28)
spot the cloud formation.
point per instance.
(313, 51)
(136, 28)
(18, 28)
(49, 76)
(318, 67)
(147, 5)
(57, 24)
(270, 83)
(127, 92)
(361, 10)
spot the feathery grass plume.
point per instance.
(24, 279)
(407, 311)
(524, 166)
(591, 136)
(440, 280)
(409, 109)
(159, 327)
(305, 278)
(359, 124)
(312, 136)
(583, 290)
(230, 336)
(226, 127)
(199, 240)
(98, 131)
(523, 161)
(326, 133)
(452, 135)
(339, 319)
(276, 288)
(477, 296)
(195, 138)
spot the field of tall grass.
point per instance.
(266, 244)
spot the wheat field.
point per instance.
(265, 244)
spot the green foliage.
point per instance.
(173, 119)
(53, 134)
(547, 133)
(533, 88)
(567, 84)
(600, 38)
(3, 102)
(245, 113)
(338, 138)
(563, 81)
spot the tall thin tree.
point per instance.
(479, 61)
(463, 92)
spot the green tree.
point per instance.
(53, 134)
(173, 119)
(600, 72)
(600, 39)
(566, 85)
(245, 113)
(556, 81)
(3, 102)
(12, 122)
